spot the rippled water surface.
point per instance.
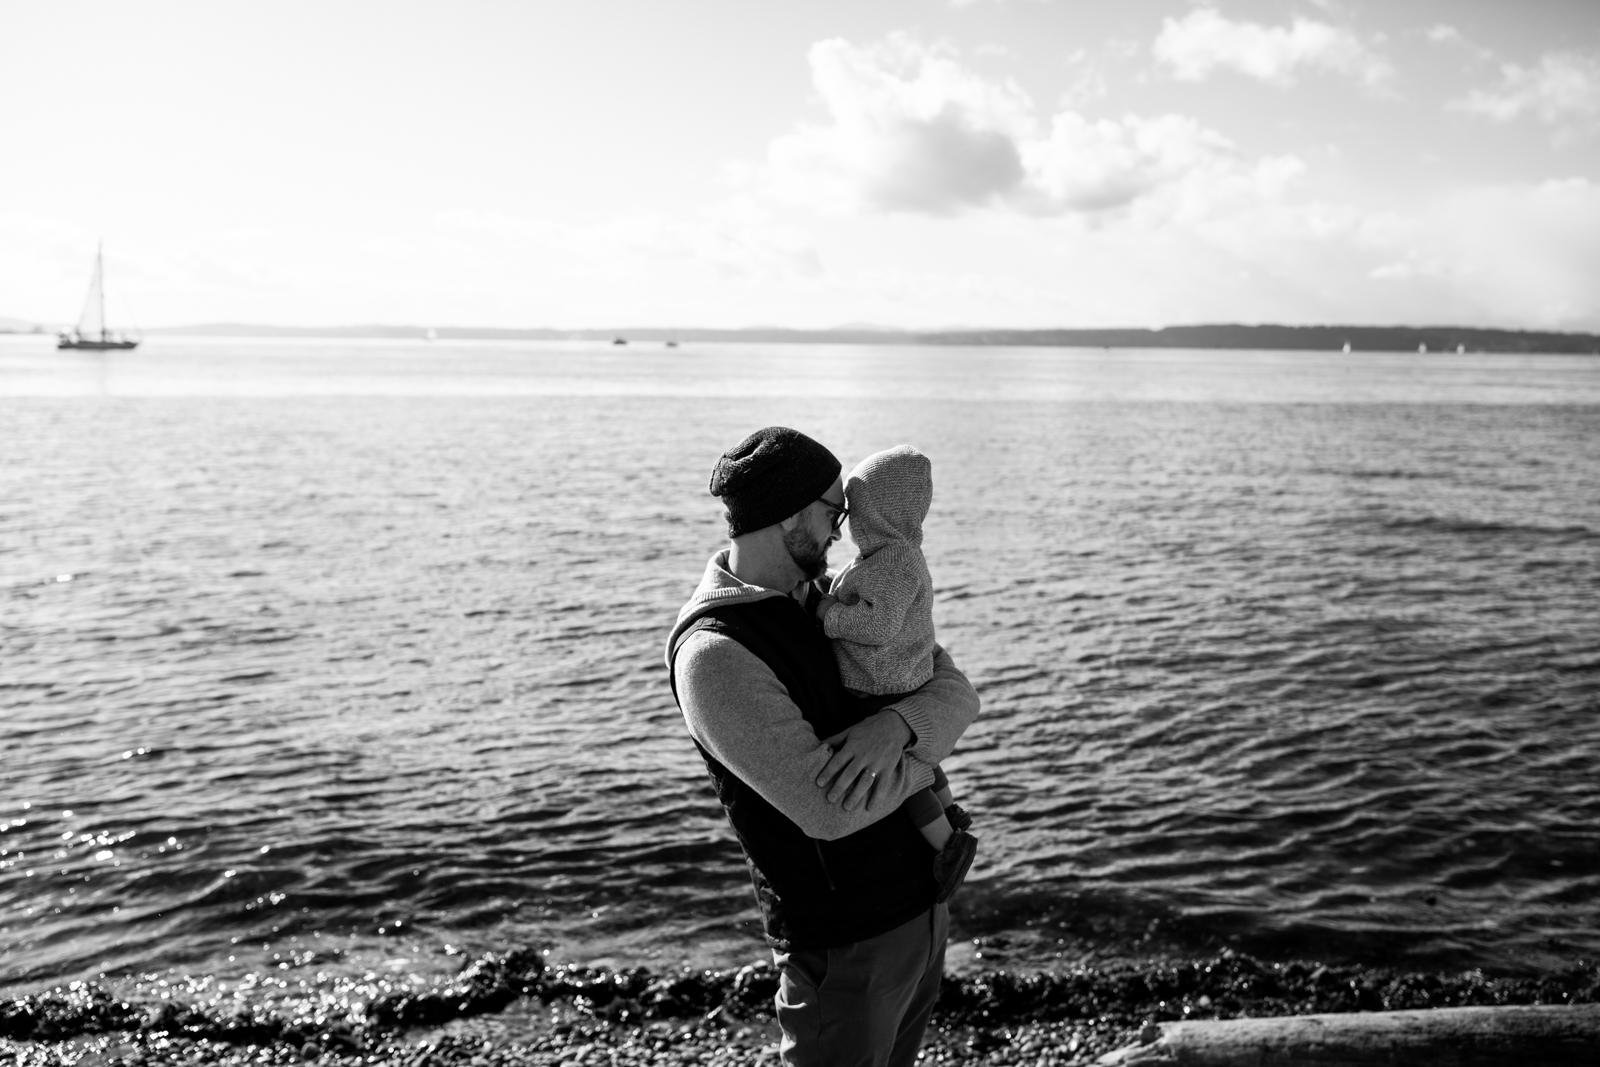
(353, 651)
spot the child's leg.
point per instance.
(955, 847)
(927, 813)
(954, 813)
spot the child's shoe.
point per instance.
(958, 816)
(950, 866)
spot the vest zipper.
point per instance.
(822, 861)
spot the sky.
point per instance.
(920, 164)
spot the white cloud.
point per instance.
(910, 130)
(1089, 73)
(1448, 36)
(1564, 88)
(1094, 166)
(1205, 41)
(1440, 33)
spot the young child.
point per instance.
(879, 612)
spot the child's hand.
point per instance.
(825, 604)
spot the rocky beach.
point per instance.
(522, 1010)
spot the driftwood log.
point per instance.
(1528, 1036)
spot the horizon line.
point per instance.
(32, 326)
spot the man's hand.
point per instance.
(861, 754)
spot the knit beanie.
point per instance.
(769, 476)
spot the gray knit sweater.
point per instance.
(882, 623)
(736, 708)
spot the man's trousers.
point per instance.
(865, 1004)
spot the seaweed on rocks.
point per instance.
(1234, 985)
(486, 984)
(89, 1008)
(80, 1008)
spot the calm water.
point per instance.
(349, 655)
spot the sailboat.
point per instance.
(91, 330)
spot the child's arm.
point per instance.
(884, 596)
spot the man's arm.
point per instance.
(736, 708)
(939, 712)
(924, 726)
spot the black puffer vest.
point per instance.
(814, 894)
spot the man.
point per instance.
(844, 881)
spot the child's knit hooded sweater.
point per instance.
(883, 621)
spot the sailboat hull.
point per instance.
(95, 346)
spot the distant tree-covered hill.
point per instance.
(1291, 338)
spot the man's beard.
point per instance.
(810, 555)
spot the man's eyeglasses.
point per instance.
(839, 513)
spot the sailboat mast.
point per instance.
(100, 285)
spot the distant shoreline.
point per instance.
(1432, 339)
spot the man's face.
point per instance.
(809, 539)
(809, 554)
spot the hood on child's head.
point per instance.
(889, 494)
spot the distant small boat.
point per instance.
(1347, 348)
(672, 344)
(619, 340)
(91, 332)
(1422, 349)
